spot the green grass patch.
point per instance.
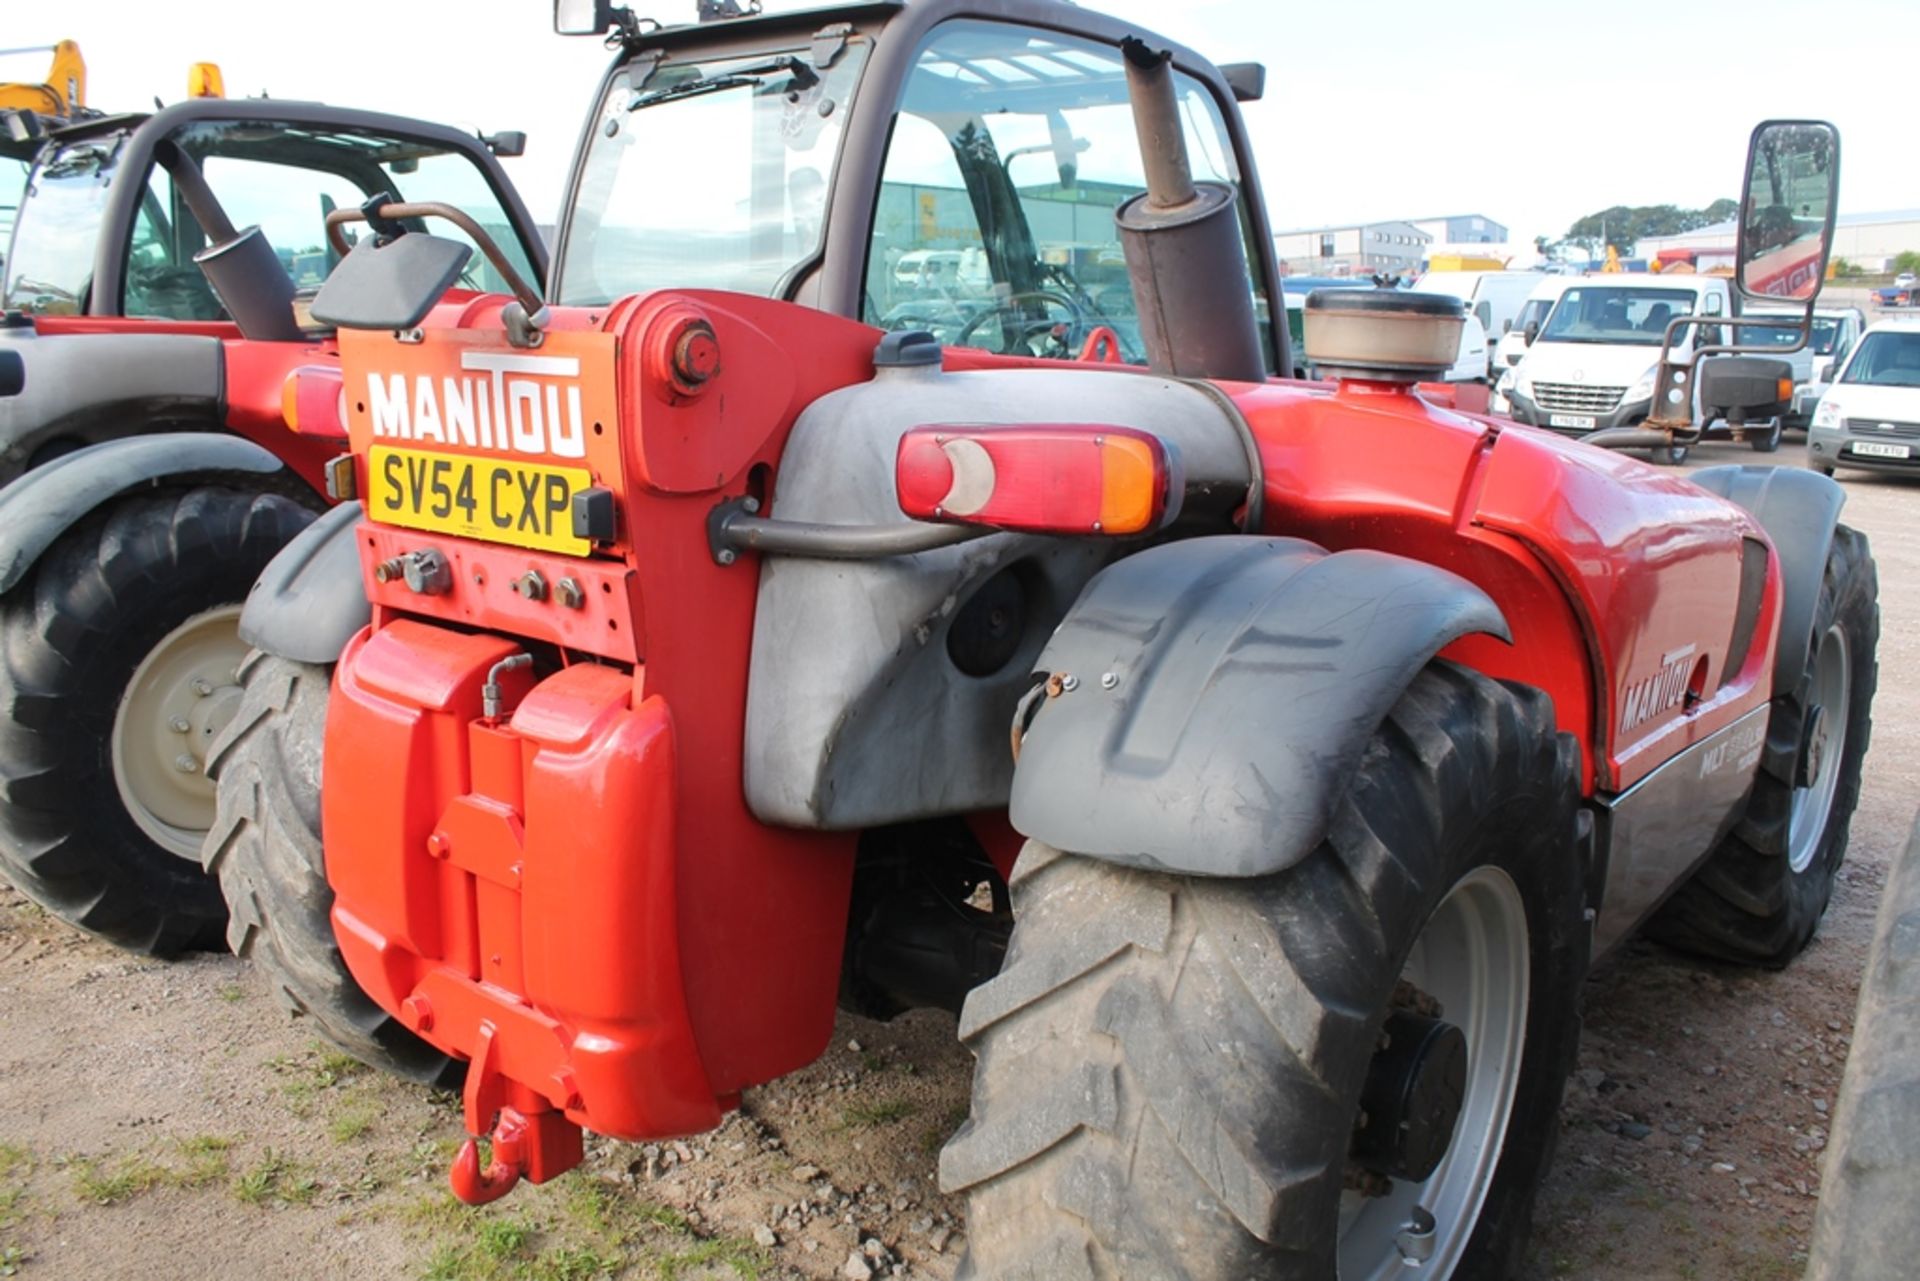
(233, 994)
(868, 1116)
(352, 1122)
(125, 1179)
(204, 1160)
(743, 1258)
(275, 1178)
(14, 1158)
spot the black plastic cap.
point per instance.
(906, 348)
(1403, 301)
(13, 373)
(593, 515)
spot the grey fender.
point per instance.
(1216, 696)
(310, 599)
(1799, 510)
(82, 388)
(49, 500)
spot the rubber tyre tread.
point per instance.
(1169, 1067)
(1769, 441)
(1746, 904)
(71, 637)
(266, 854)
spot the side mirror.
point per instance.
(1531, 332)
(582, 17)
(391, 285)
(1506, 326)
(1787, 209)
(507, 143)
(1823, 370)
(1248, 80)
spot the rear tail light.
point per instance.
(313, 400)
(1055, 479)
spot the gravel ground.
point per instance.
(166, 1120)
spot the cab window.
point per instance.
(994, 225)
(285, 180)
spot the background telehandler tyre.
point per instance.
(118, 656)
(1759, 896)
(1171, 1069)
(265, 850)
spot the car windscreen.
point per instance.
(1890, 358)
(1625, 315)
(1825, 330)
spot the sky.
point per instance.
(1531, 113)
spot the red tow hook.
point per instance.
(509, 1139)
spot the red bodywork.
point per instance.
(574, 895)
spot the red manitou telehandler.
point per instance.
(893, 566)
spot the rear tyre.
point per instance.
(1825, 469)
(1767, 440)
(265, 851)
(1760, 895)
(1171, 1068)
(117, 669)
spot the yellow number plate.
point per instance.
(497, 499)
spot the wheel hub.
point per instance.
(1411, 1102)
(1813, 747)
(181, 696)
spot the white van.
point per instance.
(1593, 364)
(943, 269)
(1529, 322)
(1492, 297)
(1836, 330)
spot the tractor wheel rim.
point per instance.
(182, 694)
(1473, 958)
(1813, 804)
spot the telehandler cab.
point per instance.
(1255, 766)
(157, 381)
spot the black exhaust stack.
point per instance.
(245, 273)
(1185, 257)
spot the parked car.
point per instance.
(1870, 417)
(1836, 331)
(1494, 298)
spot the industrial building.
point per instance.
(1356, 250)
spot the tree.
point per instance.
(1622, 226)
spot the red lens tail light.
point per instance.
(314, 401)
(1053, 479)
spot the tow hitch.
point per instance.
(530, 1140)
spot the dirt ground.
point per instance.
(162, 1121)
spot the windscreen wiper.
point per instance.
(804, 77)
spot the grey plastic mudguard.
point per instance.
(1799, 510)
(1217, 694)
(310, 599)
(89, 387)
(49, 500)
